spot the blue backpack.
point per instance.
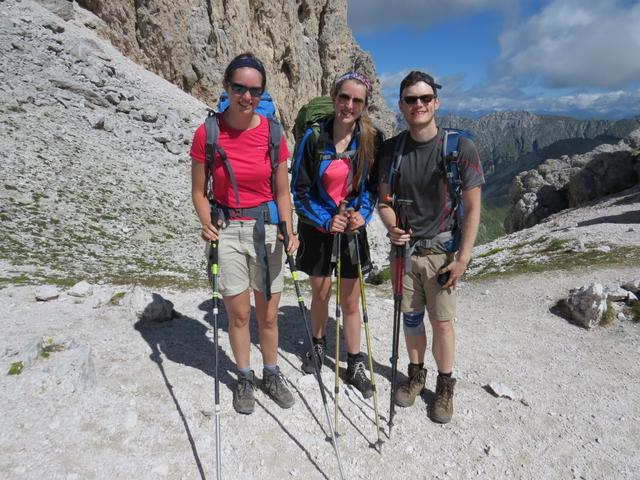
(450, 154)
(266, 107)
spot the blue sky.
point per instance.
(565, 57)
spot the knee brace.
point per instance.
(413, 323)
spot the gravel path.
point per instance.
(149, 409)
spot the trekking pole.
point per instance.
(365, 320)
(213, 260)
(316, 361)
(337, 238)
(400, 258)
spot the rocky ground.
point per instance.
(114, 396)
(95, 187)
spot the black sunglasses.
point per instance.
(240, 89)
(344, 98)
(412, 99)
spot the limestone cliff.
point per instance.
(303, 43)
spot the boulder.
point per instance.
(149, 306)
(45, 293)
(81, 289)
(587, 305)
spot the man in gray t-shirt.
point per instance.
(426, 223)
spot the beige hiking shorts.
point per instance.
(421, 290)
(238, 266)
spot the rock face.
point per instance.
(94, 152)
(303, 43)
(571, 181)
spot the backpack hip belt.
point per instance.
(436, 244)
(264, 214)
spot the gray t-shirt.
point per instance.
(422, 179)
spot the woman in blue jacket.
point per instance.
(331, 169)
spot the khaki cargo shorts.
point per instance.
(421, 290)
(238, 265)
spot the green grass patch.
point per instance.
(531, 243)
(491, 252)
(609, 315)
(492, 216)
(635, 312)
(16, 109)
(116, 298)
(617, 257)
(16, 368)
(50, 347)
(160, 281)
(555, 245)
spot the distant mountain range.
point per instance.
(510, 142)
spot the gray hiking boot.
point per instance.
(442, 410)
(357, 377)
(407, 392)
(307, 361)
(243, 400)
(276, 386)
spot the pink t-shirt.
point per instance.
(248, 154)
(337, 179)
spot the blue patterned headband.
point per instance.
(354, 76)
(247, 62)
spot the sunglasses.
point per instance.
(240, 89)
(344, 98)
(425, 99)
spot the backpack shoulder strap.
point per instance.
(396, 159)
(275, 138)
(213, 131)
(212, 128)
(450, 154)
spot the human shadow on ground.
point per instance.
(189, 342)
(293, 340)
(178, 340)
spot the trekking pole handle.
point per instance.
(282, 226)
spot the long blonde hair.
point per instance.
(367, 141)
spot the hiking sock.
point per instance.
(245, 371)
(354, 357)
(320, 341)
(446, 375)
(417, 365)
(273, 369)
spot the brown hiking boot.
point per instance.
(407, 392)
(442, 409)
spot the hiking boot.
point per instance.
(276, 386)
(408, 391)
(357, 377)
(243, 400)
(442, 410)
(307, 361)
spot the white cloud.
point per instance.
(506, 94)
(576, 43)
(371, 16)
(614, 104)
(390, 83)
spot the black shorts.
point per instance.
(314, 254)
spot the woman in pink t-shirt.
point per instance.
(244, 137)
(336, 169)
